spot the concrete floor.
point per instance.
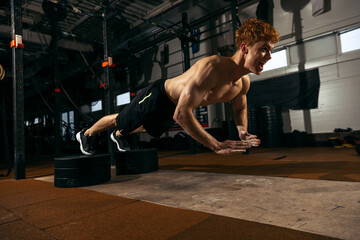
(329, 208)
(285, 193)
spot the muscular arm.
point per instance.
(240, 113)
(191, 96)
(204, 77)
(239, 105)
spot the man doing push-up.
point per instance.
(211, 80)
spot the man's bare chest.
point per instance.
(220, 94)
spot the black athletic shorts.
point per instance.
(151, 108)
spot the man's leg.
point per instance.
(119, 139)
(140, 129)
(103, 124)
(86, 137)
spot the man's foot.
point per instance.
(87, 143)
(121, 143)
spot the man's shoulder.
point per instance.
(213, 59)
(246, 78)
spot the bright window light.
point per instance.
(123, 99)
(278, 60)
(71, 116)
(64, 118)
(350, 41)
(96, 106)
(36, 121)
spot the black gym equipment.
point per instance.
(136, 161)
(358, 148)
(109, 89)
(5, 139)
(54, 10)
(271, 126)
(80, 171)
(18, 91)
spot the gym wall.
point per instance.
(339, 74)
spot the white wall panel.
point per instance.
(297, 120)
(350, 69)
(343, 13)
(337, 106)
(338, 100)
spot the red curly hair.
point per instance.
(253, 30)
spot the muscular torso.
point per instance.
(227, 85)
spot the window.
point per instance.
(96, 106)
(350, 41)
(64, 118)
(278, 60)
(36, 120)
(67, 126)
(313, 49)
(122, 99)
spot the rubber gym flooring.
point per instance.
(283, 193)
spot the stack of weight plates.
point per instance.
(357, 147)
(271, 126)
(252, 113)
(79, 171)
(136, 161)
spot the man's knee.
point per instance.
(142, 129)
(112, 118)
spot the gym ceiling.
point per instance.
(132, 26)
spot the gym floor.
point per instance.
(281, 193)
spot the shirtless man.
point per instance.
(213, 79)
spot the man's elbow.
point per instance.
(180, 115)
(177, 117)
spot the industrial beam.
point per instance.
(36, 38)
(81, 20)
(156, 11)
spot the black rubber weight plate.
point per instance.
(358, 148)
(136, 161)
(86, 171)
(81, 182)
(81, 170)
(79, 161)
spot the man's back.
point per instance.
(216, 75)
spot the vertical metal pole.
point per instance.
(302, 56)
(185, 47)
(109, 92)
(234, 18)
(18, 92)
(185, 41)
(57, 114)
(5, 134)
(132, 74)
